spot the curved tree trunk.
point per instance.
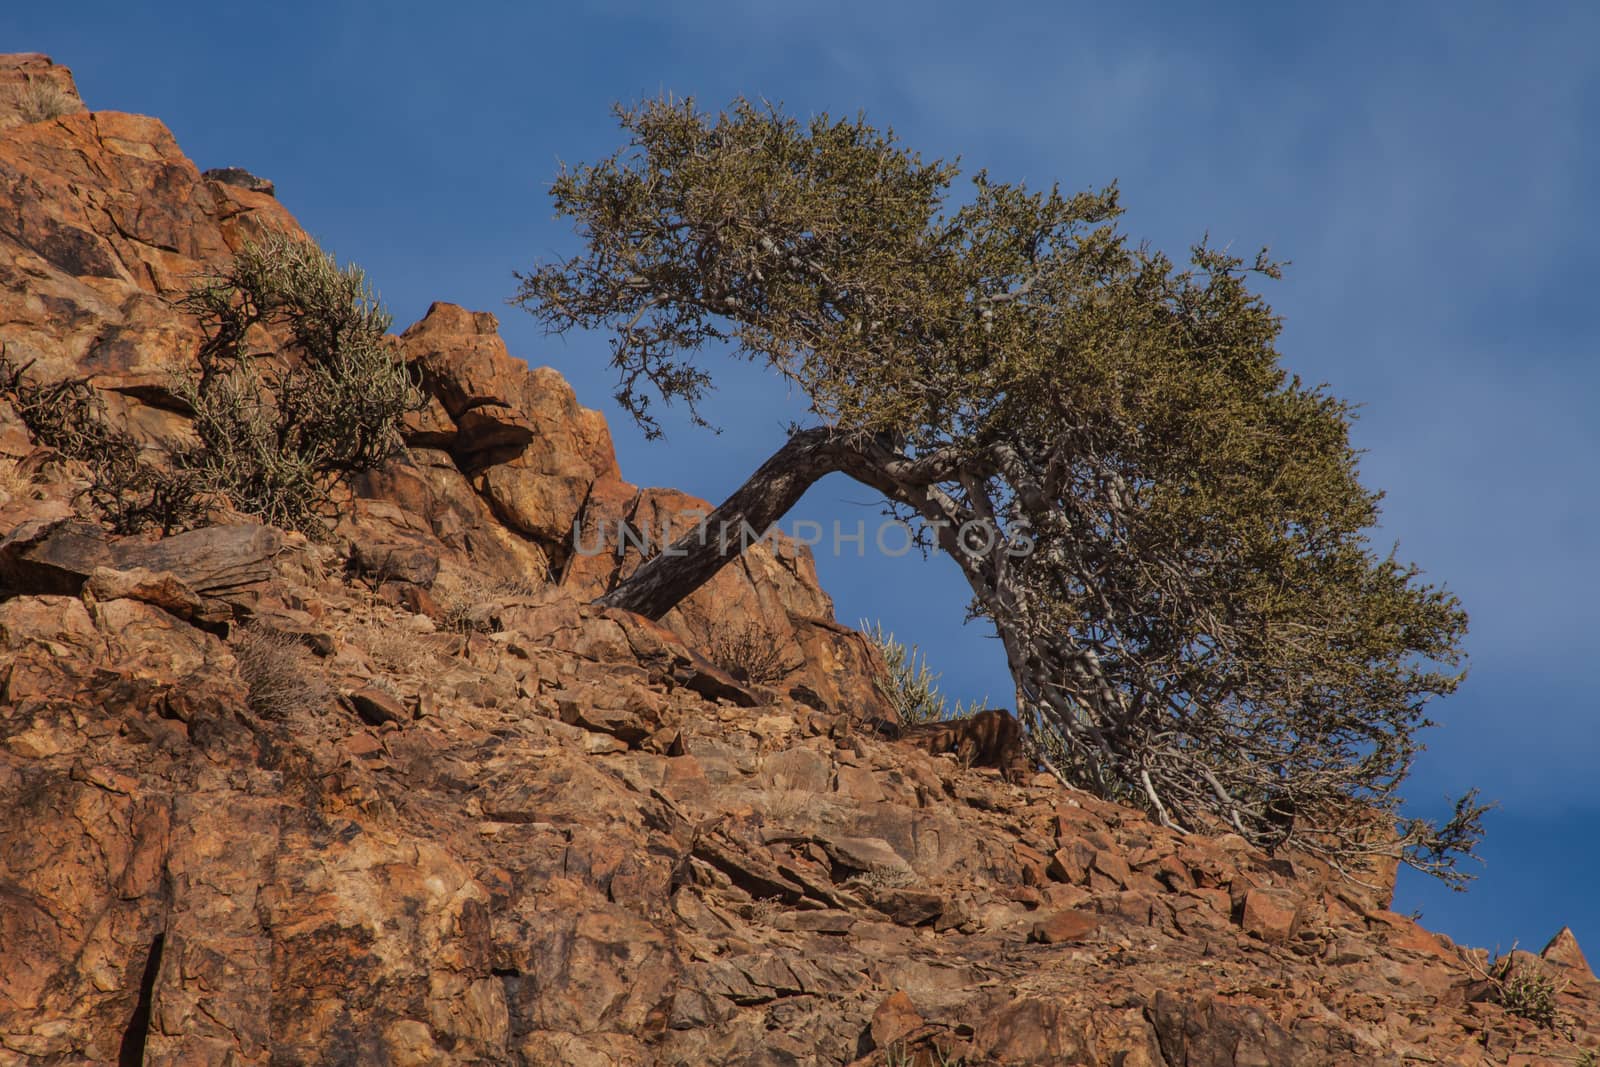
(695, 558)
(661, 582)
(1036, 660)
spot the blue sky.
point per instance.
(1431, 173)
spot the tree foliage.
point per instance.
(1166, 529)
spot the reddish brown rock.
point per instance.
(1563, 951)
(894, 1019)
(519, 433)
(162, 588)
(1269, 915)
(1069, 925)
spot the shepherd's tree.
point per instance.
(1166, 531)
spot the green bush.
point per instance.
(911, 686)
(1523, 988)
(278, 430)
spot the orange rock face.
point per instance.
(408, 797)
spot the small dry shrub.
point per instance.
(386, 647)
(131, 493)
(282, 681)
(751, 654)
(900, 1054)
(520, 587)
(395, 648)
(40, 101)
(463, 597)
(764, 909)
(882, 876)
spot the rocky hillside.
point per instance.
(401, 796)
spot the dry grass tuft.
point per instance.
(394, 648)
(16, 481)
(463, 602)
(40, 101)
(466, 599)
(282, 680)
(882, 876)
(763, 910)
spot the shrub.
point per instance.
(40, 101)
(274, 434)
(1523, 989)
(1529, 993)
(463, 600)
(900, 1054)
(751, 653)
(128, 490)
(393, 648)
(277, 434)
(911, 686)
(282, 684)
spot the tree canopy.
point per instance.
(1166, 530)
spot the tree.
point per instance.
(1166, 531)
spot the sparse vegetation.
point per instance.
(16, 481)
(277, 432)
(900, 1055)
(394, 648)
(1529, 993)
(764, 909)
(510, 588)
(276, 668)
(883, 876)
(41, 101)
(466, 599)
(1522, 987)
(911, 685)
(751, 653)
(462, 600)
(125, 486)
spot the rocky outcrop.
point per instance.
(103, 221)
(33, 89)
(409, 797)
(575, 841)
(532, 479)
